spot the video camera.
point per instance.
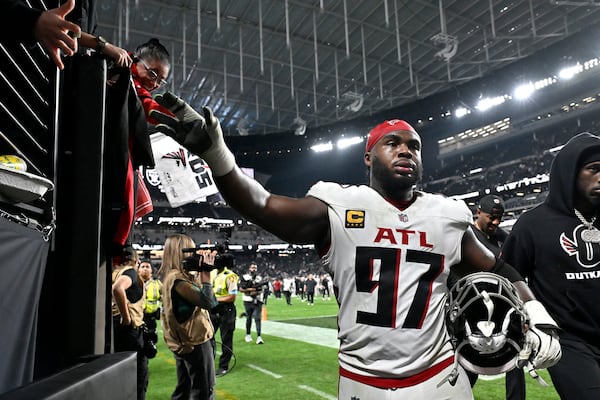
(195, 262)
(252, 284)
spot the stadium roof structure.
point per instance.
(268, 66)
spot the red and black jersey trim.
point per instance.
(394, 383)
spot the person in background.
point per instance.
(187, 329)
(277, 288)
(267, 290)
(128, 312)
(288, 288)
(388, 248)
(487, 223)
(299, 285)
(556, 246)
(129, 129)
(149, 67)
(153, 288)
(150, 70)
(309, 288)
(251, 285)
(325, 287)
(118, 55)
(223, 316)
(49, 28)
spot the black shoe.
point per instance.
(221, 372)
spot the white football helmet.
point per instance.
(486, 322)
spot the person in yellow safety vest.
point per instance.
(225, 286)
(153, 297)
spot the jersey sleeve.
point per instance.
(322, 190)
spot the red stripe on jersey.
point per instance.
(394, 383)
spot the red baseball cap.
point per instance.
(386, 127)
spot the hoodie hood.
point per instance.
(564, 170)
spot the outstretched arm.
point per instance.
(304, 220)
(120, 56)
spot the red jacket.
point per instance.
(148, 103)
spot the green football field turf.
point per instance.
(290, 365)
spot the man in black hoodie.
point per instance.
(557, 247)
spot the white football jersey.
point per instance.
(389, 268)
(259, 294)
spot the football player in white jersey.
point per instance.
(388, 248)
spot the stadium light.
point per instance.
(570, 72)
(275, 246)
(489, 102)
(461, 112)
(346, 142)
(524, 91)
(318, 148)
(174, 220)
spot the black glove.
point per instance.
(191, 135)
(182, 110)
(202, 135)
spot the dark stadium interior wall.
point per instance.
(23, 253)
(72, 295)
(293, 174)
(60, 325)
(94, 378)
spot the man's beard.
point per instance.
(392, 181)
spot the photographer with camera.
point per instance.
(187, 298)
(251, 285)
(225, 286)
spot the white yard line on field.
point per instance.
(303, 387)
(309, 334)
(317, 392)
(265, 371)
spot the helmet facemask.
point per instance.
(485, 319)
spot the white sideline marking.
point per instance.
(265, 371)
(315, 335)
(317, 392)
